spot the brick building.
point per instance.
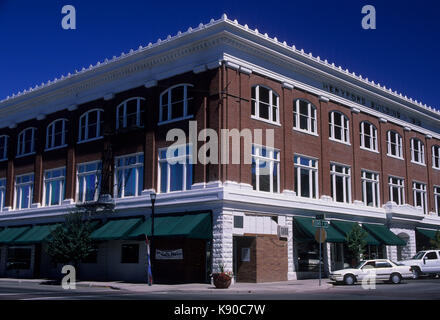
(343, 146)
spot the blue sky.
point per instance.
(402, 53)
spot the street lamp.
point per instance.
(153, 200)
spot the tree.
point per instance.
(435, 243)
(70, 242)
(356, 242)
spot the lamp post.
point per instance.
(153, 200)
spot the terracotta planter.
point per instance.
(221, 281)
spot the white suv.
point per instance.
(424, 263)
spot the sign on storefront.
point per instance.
(169, 254)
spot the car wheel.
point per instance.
(416, 273)
(349, 279)
(395, 278)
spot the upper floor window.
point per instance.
(54, 186)
(26, 142)
(24, 189)
(265, 104)
(394, 143)
(417, 151)
(437, 200)
(306, 177)
(89, 181)
(265, 169)
(174, 102)
(175, 168)
(304, 116)
(90, 124)
(338, 127)
(419, 190)
(3, 147)
(368, 136)
(2, 193)
(397, 190)
(436, 157)
(370, 189)
(129, 176)
(130, 113)
(340, 183)
(56, 134)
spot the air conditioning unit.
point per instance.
(283, 232)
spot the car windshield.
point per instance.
(419, 255)
(360, 264)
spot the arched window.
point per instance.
(304, 116)
(368, 136)
(417, 151)
(90, 125)
(436, 157)
(174, 102)
(394, 142)
(56, 134)
(4, 147)
(265, 104)
(26, 142)
(338, 127)
(130, 113)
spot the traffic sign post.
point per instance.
(320, 236)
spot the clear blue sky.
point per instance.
(402, 53)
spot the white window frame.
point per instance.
(437, 199)
(422, 190)
(186, 99)
(269, 158)
(311, 117)
(271, 105)
(5, 140)
(2, 193)
(346, 175)
(79, 176)
(136, 167)
(311, 168)
(420, 151)
(400, 186)
(21, 143)
(46, 183)
(398, 145)
(184, 159)
(50, 131)
(123, 108)
(18, 193)
(85, 117)
(345, 126)
(372, 137)
(375, 185)
(436, 157)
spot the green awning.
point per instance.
(345, 228)
(36, 234)
(8, 235)
(115, 229)
(383, 234)
(305, 231)
(430, 234)
(194, 226)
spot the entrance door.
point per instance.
(244, 259)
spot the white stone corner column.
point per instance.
(222, 251)
(291, 272)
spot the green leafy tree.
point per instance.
(435, 243)
(356, 242)
(70, 242)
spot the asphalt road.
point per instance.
(423, 289)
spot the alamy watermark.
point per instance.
(69, 280)
(369, 20)
(69, 20)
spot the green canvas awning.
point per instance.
(345, 228)
(383, 234)
(115, 229)
(8, 235)
(36, 234)
(305, 231)
(194, 226)
(430, 234)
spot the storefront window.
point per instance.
(18, 258)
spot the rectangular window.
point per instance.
(397, 190)
(24, 189)
(54, 187)
(265, 169)
(129, 176)
(340, 183)
(89, 181)
(130, 253)
(306, 177)
(19, 258)
(394, 144)
(370, 189)
(238, 222)
(304, 116)
(175, 169)
(3, 148)
(2, 193)
(419, 190)
(417, 151)
(265, 104)
(437, 200)
(435, 157)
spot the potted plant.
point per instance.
(222, 279)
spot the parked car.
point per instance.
(425, 262)
(382, 269)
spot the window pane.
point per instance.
(339, 189)
(264, 176)
(177, 110)
(264, 111)
(177, 94)
(264, 95)
(305, 185)
(275, 177)
(176, 177)
(163, 177)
